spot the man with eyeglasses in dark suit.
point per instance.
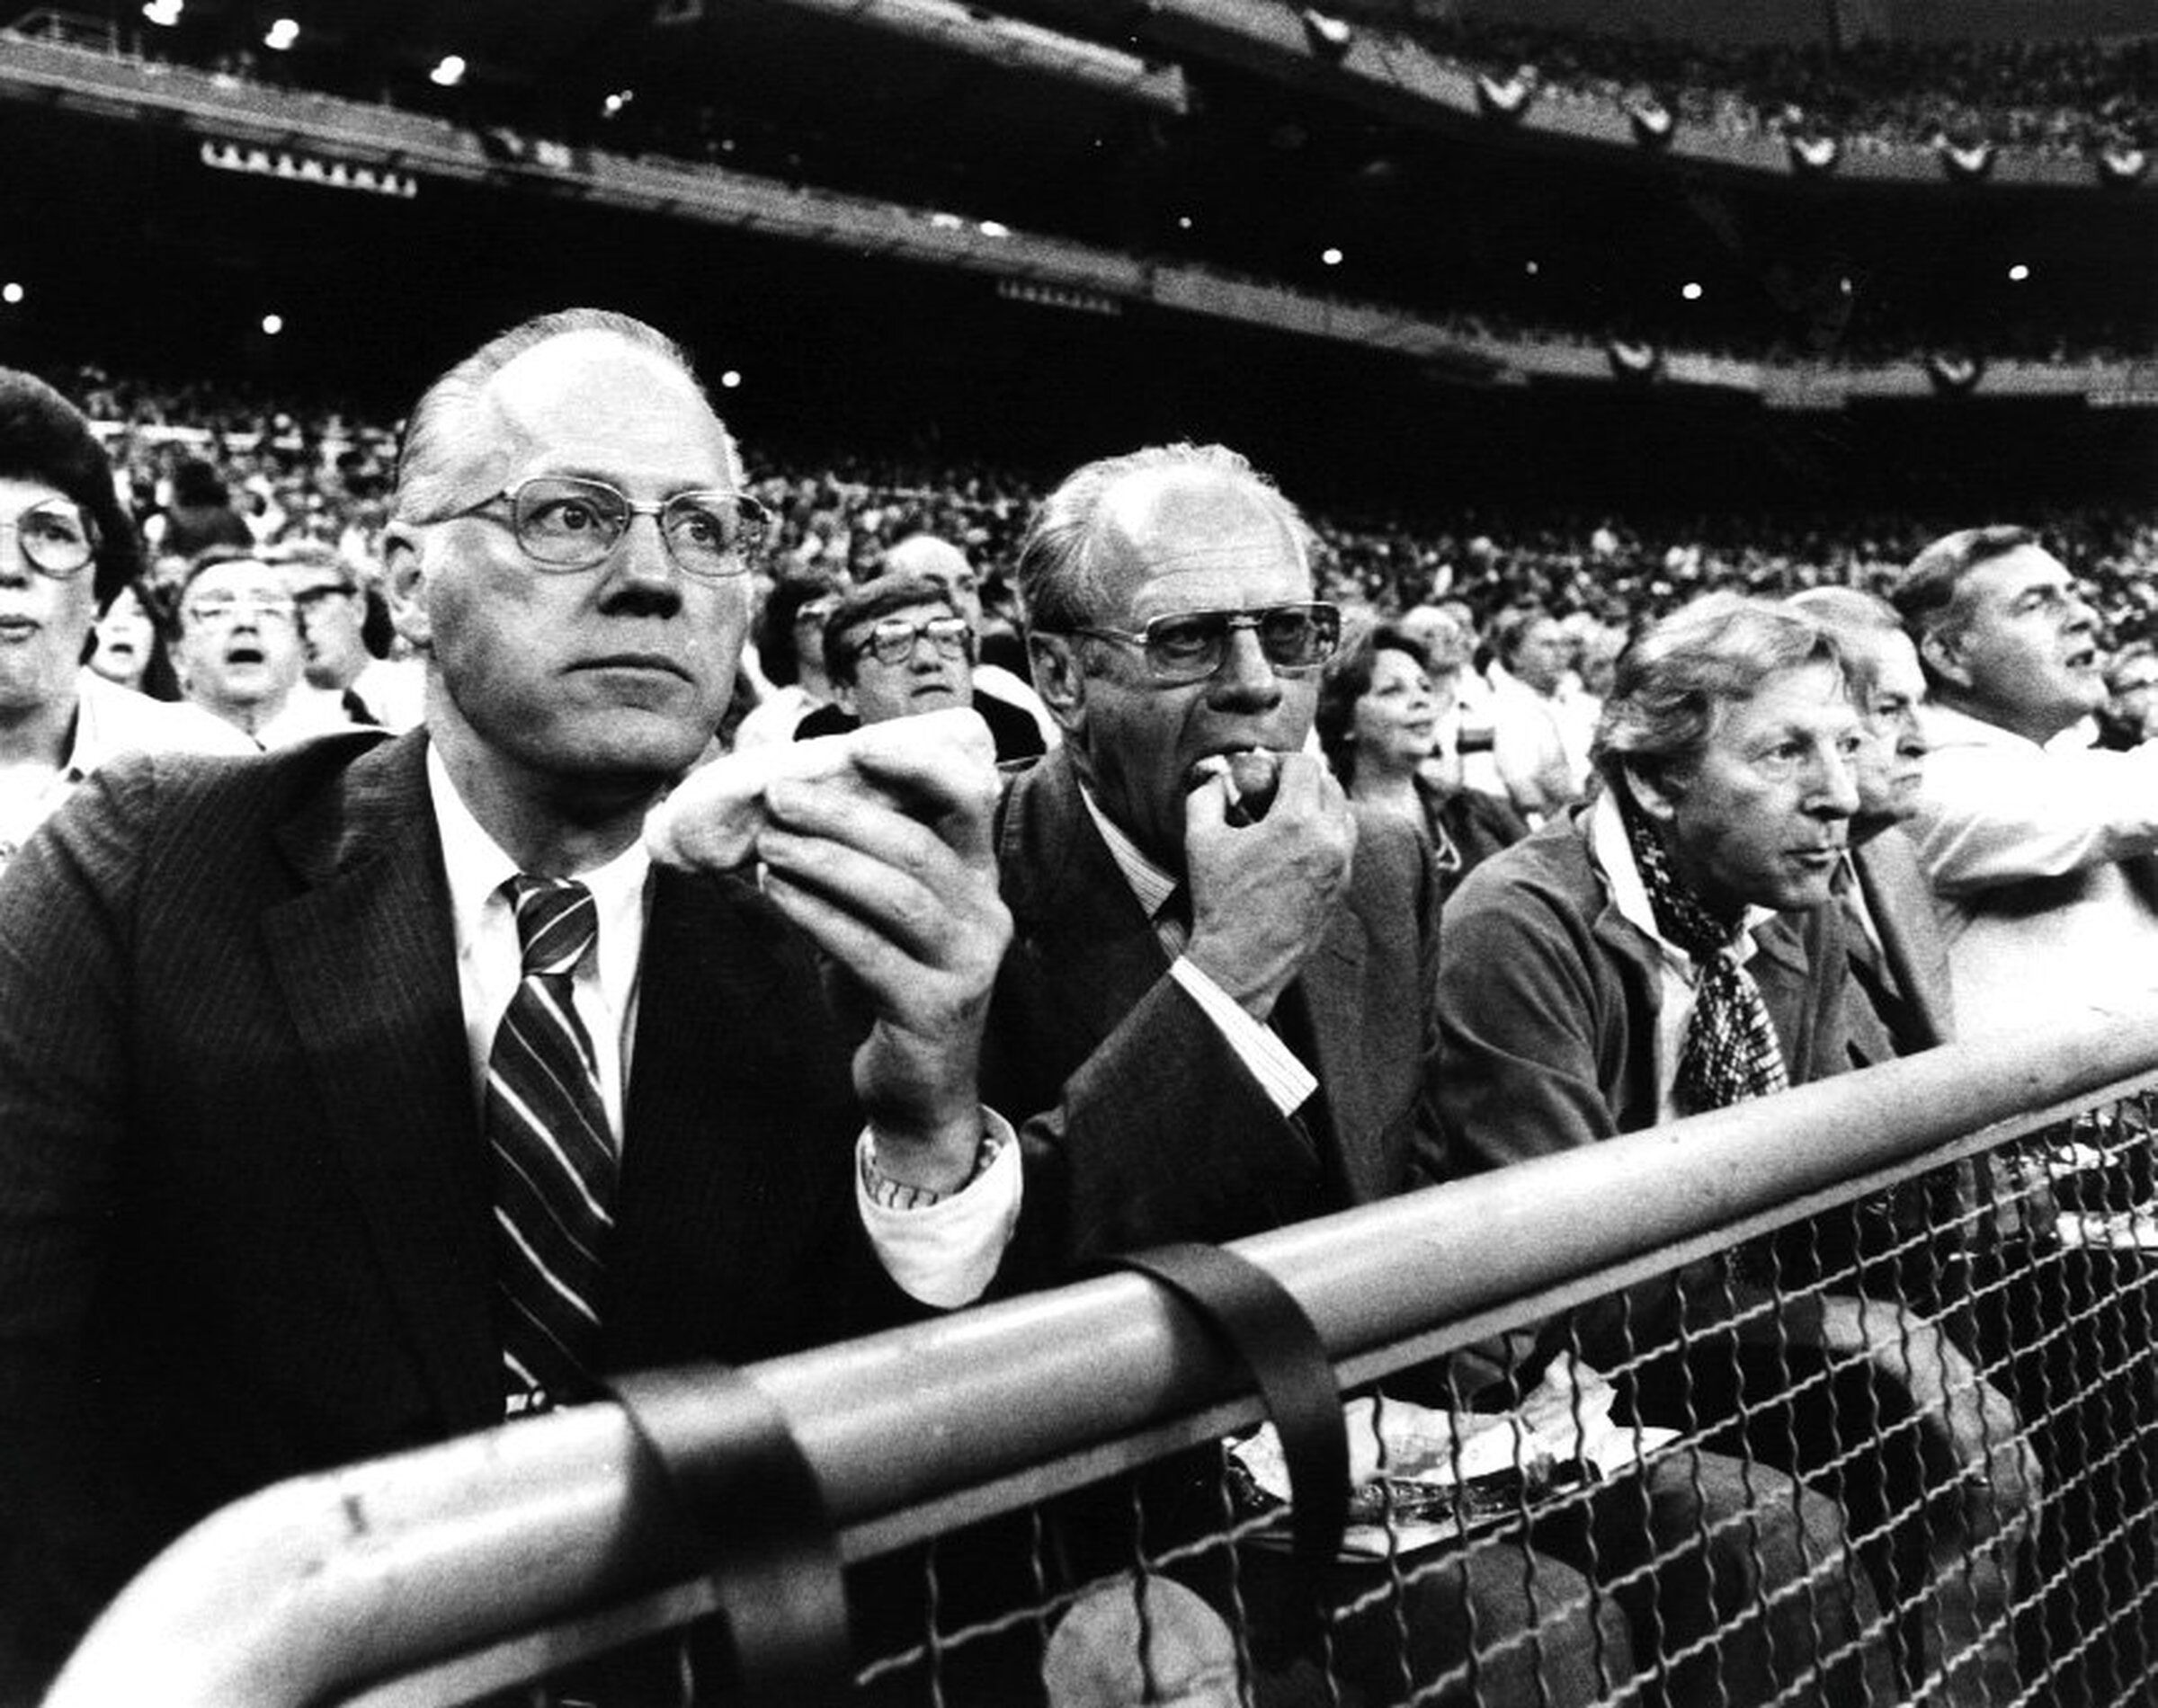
(376, 1090)
(1215, 1023)
(1217, 1016)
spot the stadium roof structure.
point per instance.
(928, 78)
(925, 132)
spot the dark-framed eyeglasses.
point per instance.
(55, 538)
(1189, 646)
(566, 522)
(893, 639)
(307, 597)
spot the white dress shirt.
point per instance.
(944, 1254)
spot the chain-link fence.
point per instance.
(1843, 1398)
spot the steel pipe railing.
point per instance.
(328, 1582)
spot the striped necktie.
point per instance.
(554, 1157)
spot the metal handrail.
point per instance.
(325, 1583)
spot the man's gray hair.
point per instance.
(1061, 586)
(1857, 620)
(426, 455)
(1674, 681)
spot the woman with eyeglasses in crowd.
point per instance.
(66, 548)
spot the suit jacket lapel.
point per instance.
(708, 1139)
(1329, 994)
(1075, 913)
(1077, 916)
(367, 959)
(1901, 903)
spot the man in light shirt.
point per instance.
(261, 1208)
(2042, 852)
(1538, 740)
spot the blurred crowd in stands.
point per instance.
(2071, 99)
(2066, 98)
(292, 473)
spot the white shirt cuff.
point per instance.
(944, 1254)
(1285, 1081)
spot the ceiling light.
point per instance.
(2019, 272)
(163, 13)
(1331, 257)
(272, 325)
(1691, 292)
(281, 36)
(449, 73)
(10, 293)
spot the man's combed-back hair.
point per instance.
(1857, 620)
(1925, 593)
(45, 437)
(1674, 681)
(425, 455)
(1061, 585)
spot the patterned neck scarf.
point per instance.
(1730, 1051)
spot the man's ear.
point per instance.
(843, 697)
(403, 586)
(1941, 651)
(1656, 789)
(1059, 676)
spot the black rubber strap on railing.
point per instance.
(1266, 1328)
(739, 1476)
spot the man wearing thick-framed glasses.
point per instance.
(903, 645)
(897, 647)
(237, 652)
(1215, 1021)
(376, 1090)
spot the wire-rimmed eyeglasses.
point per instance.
(55, 538)
(566, 522)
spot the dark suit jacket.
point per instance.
(1145, 1125)
(246, 1221)
(1902, 998)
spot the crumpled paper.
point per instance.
(1565, 1422)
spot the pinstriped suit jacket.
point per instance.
(246, 1217)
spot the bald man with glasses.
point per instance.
(374, 1090)
(1214, 1022)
